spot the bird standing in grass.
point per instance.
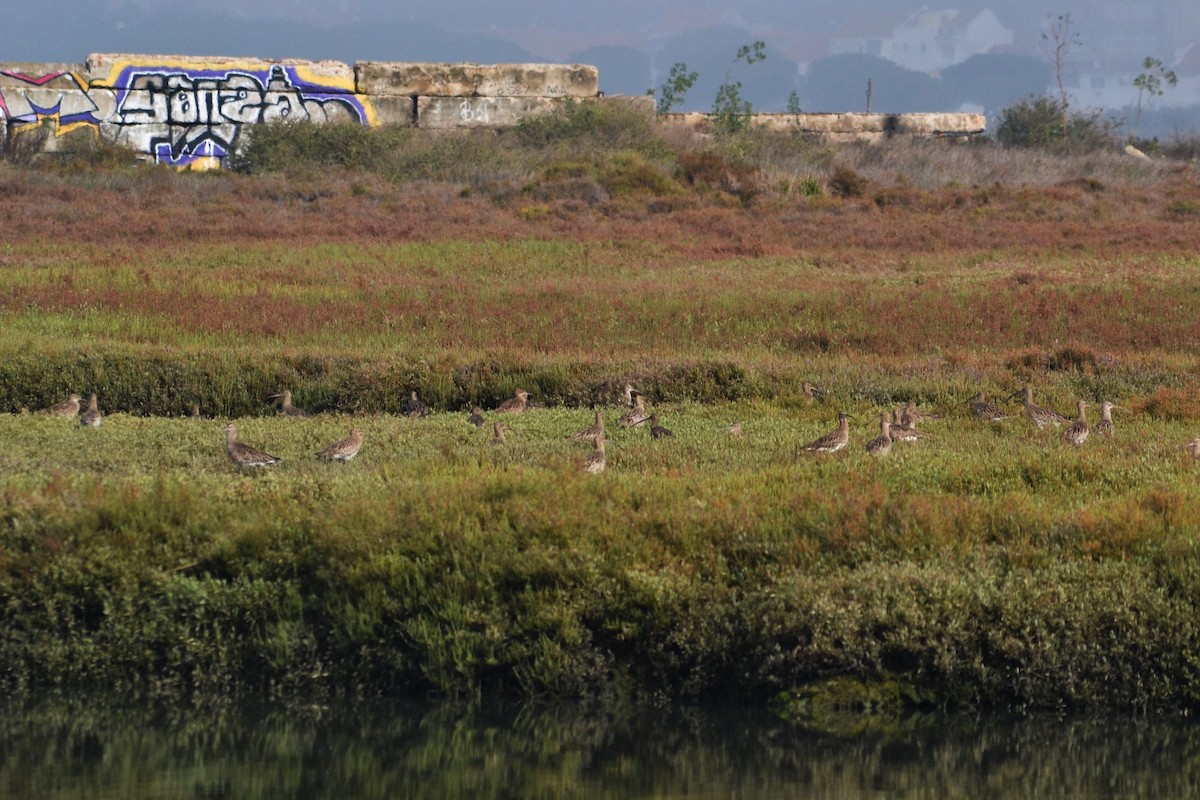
(833, 441)
(498, 431)
(344, 449)
(285, 405)
(1040, 417)
(658, 431)
(1105, 426)
(881, 445)
(1194, 446)
(243, 455)
(415, 407)
(515, 404)
(984, 410)
(476, 417)
(67, 408)
(596, 460)
(901, 432)
(627, 394)
(636, 415)
(912, 415)
(1077, 433)
(92, 417)
(735, 429)
(810, 392)
(591, 432)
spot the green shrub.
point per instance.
(1047, 123)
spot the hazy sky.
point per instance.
(633, 42)
(351, 30)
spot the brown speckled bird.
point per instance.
(67, 408)
(982, 409)
(515, 404)
(243, 455)
(1040, 417)
(91, 418)
(833, 441)
(1077, 433)
(658, 431)
(596, 460)
(1105, 426)
(415, 407)
(591, 432)
(285, 405)
(476, 417)
(881, 445)
(636, 415)
(344, 449)
(498, 431)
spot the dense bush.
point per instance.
(1048, 123)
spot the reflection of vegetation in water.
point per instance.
(60, 750)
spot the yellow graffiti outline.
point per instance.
(306, 73)
(57, 128)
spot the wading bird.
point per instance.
(984, 410)
(834, 440)
(901, 432)
(595, 461)
(92, 417)
(476, 417)
(243, 455)
(1077, 433)
(1105, 426)
(658, 431)
(498, 431)
(912, 415)
(1040, 417)
(881, 445)
(515, 404)
(591, 432)
(285, 405)
(67, 408)
(1194, 446)
(636, 415)
(415, 407)
(344, 449)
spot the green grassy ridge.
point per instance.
(151, 380)
(990, 566)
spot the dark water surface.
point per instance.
(71, 750)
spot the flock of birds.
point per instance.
(900, 426)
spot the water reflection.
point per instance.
(64, 750)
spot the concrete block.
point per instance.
(120, 70)
(27, 74)
(70, 106)
(476, 80)
(440, 113)
(394, 110)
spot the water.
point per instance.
(55, 751)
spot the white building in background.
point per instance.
(925, 41)
(931, 40)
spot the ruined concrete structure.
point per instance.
(189, 111)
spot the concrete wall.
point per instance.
(853, 127)
(190, 111)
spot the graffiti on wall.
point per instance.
(187, 116)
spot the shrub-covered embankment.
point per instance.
(981, 566)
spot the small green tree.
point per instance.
(1149, 84)
(793, 103)
(730, 112)
(673, 89)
